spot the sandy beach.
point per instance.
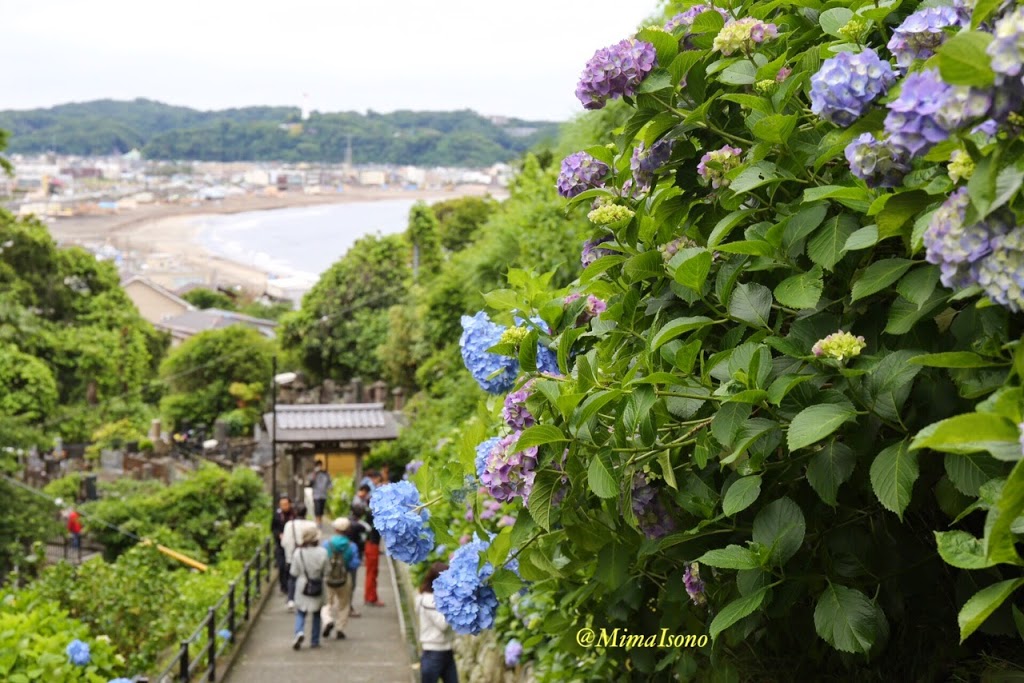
(170, 231)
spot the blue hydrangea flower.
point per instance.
(1007, 50)
(547, 360)
(461, 593)
(958, 249)
(120, 680)
(916, 120)
(615, 72)
(847, 84)
(478, 335)
(921, 34)
(403, 527)
(877, 162)
(513, 651)
(645, 162)
(650, 513)
(224, 634)
(1001, 273)
(483, 451)
(580, 172)
(78, 652)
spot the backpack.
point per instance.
(337, 572)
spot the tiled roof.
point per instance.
(333, 422)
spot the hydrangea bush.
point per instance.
(794, 425)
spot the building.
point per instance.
(190, 323)
(155, 303)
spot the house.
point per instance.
(191, 323)
(155, 303)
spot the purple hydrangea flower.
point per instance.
(483, 451)
(650, 513)
(403, 526)
(1001, 273)
(694, 585)
(783, 74)
(645, 162)
(921, 34)
(614, 72)
(478, 335)
(509, 473)
(957, 249)
(877, 162)
(928, 109)
(847, 84)
(462, 595)
(715, 164)
(988, 127)
(506, 520)
(580, 172)
(687, 18)
(1007, 50)
(514, 411)
(78, 652)
(513, 651)
(595, 306)
(591, 250)
(411, 468)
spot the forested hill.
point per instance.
(161, 131)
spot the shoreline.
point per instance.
(167, 235)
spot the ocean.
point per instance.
(300, 242)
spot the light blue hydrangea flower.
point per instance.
(78, 652)
(921, 34)
(928, 110)
(1001, 273)
(1007, 50)
(403, 527)
(513, 651)
(483, 451)
(478, 335)
(461, 593)
(877, 162)
(959, 249)
(847, 84)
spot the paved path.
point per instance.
(373, 652)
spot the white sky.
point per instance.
(510, 58)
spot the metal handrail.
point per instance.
(188, 662)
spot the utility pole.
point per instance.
(273, 434)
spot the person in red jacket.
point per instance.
(75, 529)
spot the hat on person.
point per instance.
(310, 534)
(341, 524)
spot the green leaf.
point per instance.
(676, 327)
(736, 610)
(726, 226)
(953, 359)
(528, 352)
(780, 527)
(665, 44)
(1000, 540)
(862, 239)
(645, 266)
(801, 291)
(903, 314)
(740, 72)
(599, 152)
(751, 303)
(505, 583)
(972, 433)
(593, 404)
(741, 494)
(803, 223)
(600, 478)
(845, 619)
(855, 198)
(983, 603)
(898, 210)
(659, 79)
(541, 496)
(834, 19)
(962, 550)
(694, 266)
(829, 468)
(814, 423)
(919, 284)
(753, 177)
(878, 276)
(968, 472)
(539, 435)
(730, 557)
(828, 245)
(727, 422)
(775, 128)
(613, 565)
(963, 60)
(707, 22)
(893, 474)
(982, 10)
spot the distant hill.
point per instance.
(161, 131)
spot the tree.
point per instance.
(30, 391)
(344, 317)
(422, 234)
(460, 220)
(200, 372)
(207, 298)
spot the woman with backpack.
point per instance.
(342, 563)
(309, 567)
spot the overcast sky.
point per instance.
(519, 58)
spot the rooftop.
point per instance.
(332, 422)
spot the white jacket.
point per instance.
(291, 536)
(435, 633)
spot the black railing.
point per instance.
(197, 654)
